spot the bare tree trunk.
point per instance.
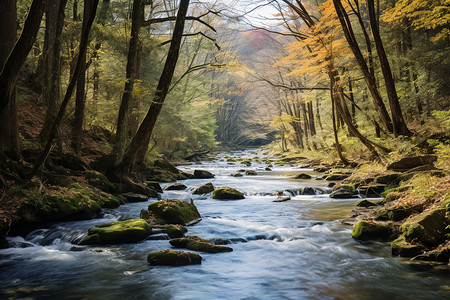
(139, 145)
(398, 121)
(54, 20)
(368, 77)
(84, 40)
(80, 98)
(11, 65)
(124, 111)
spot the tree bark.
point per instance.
(54, 18)
(124, 110)
(9, 136)
(92, 4)
(80, 98)
(399, 124)
(139, 145)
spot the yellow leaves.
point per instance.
(421, 14)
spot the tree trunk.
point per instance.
(398, 121)
(139, 145)
(124, 111)
(335, 129)
(368, 77)
(84, 40)
(9, 136)
(54, 19)
(80, 98)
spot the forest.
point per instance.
(106, 103)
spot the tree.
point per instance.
(9, 136)
(135, 153)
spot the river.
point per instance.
(291, 250)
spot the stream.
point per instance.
(290, 250)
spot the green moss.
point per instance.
(366, 230)
(120, 232)
(227, 194)
(99, 181)
(395, 214)
(206, 188)
(198, 244)
(365, 203)
(173, 258)
(401, 247)
(171, 211)
(427, 228)
(173, 231)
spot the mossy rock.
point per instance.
(247, 163)
(120, 232)
(203, 174)
(409, 162)
(173, 258)
(132, 197)
(165, 165)
(175, 187)
(103, 199)
(204, 189)
(198, 244)
(172, 211)
(365, 203)
(388, 178)
(440, 254)
(395, 214)
(343, 191)
(302, 176)
(401, 247)
(154, 185)
(373, 190)
(336, 176)
(367, 230)
(227, 193)
(250, 173)
(100, 181)
(399, 189)
(173, 231)
(427, 228)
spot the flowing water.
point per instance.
(291, 250)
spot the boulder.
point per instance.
(227, 193)
(154, 185)
(409, 162)
(204, 189)
(198, 244)
(427, 228)
(203, 174)
(268, 169)
(250, 172)
(307, 191)
(120, 232)
(405, 249)
(441, 254)
(367, 230)
(394, 214)
(321, 169)
(100, 181)
(175, 187)
(173, 231)
(173, 258)
(282, 199)
(236, 175)
(303, 176)
(341, 191)
(388, 178)
(171, 211)
(365, 203)
(372, 190)
(132, 197)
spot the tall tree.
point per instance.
(131, 76)
(84, 40)
(135, 153)
(11, 65)
(400, 127)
